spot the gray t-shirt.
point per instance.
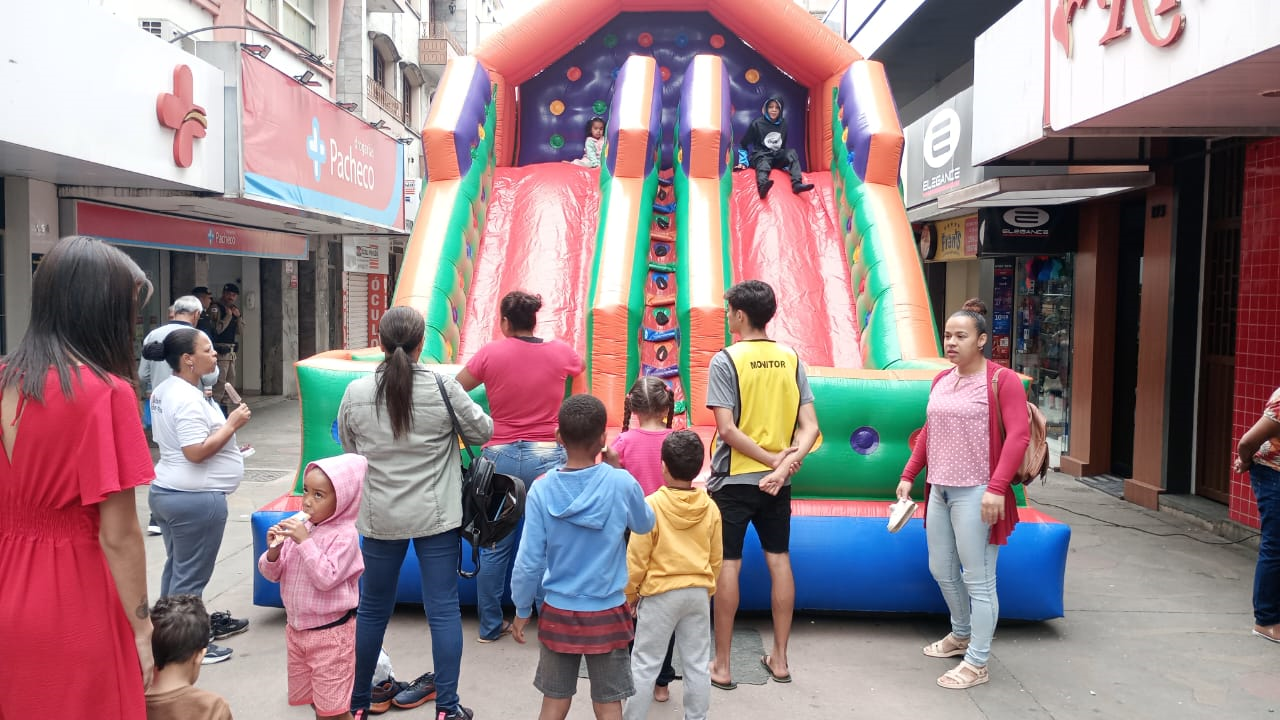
(722, 391)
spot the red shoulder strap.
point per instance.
(995, 390)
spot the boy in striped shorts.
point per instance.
(585, 506)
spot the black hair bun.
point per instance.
(154, 351)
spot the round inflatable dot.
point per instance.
(333, 432)
(911, 440)
(862, 285)
(599, 107)
(660, 281)
(614, 72)
(470, 252)
(679, 154)
(864, 440)
(662, 353)
(682, 40)
(557, 141)
(661, 250)
(645, 40)
(844, 135)
(717, 41)
(574, 73)
(662, 317)
(848, 224)
(866, 319)
(611, 41)
(665, 72)
(556, 107)
(752, 76)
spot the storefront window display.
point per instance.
(1042, 339)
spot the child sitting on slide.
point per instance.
(593, 148)
(766, 143)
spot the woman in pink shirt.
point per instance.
(524, 377)
(969, 497)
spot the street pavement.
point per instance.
(1155, 627)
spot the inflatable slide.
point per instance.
(632, 260)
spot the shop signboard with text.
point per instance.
(950, 239)
(123, 226)
(303, 151)
(1104, 56)
(938, 151)
(1049, 230)
(366, 255)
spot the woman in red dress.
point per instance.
(74, 618)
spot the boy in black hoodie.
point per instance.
(768, 133)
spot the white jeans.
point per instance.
(686, 611)
(963, 563)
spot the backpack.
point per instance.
(492, 503)
(1035, 463)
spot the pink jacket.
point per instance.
(320, 577)
(1006, 454)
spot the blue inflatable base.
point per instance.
(841, 564)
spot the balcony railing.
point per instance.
(383, 98)
(437, 44)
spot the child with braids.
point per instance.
(639, 450)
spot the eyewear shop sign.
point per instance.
(939, 151)
(303, 151)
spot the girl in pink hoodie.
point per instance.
(318, 564)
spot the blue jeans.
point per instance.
(527, 461)
(963, 563)
(191, 525)
(1266, 580)
(438, 562)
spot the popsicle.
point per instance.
(299, 516)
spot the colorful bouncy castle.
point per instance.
(632, 260)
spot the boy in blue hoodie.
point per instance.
(766, 141)
(573, 542)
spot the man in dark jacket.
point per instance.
(766, 141)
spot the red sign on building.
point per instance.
(1147, 13)
(304, 151)
(123, 226)
(377, 306)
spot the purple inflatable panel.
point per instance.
(466, 137)
(580, 84)
(695, 84)
(655, 123)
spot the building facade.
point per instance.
(273, 144)
(1123, 161)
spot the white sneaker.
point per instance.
(899, 513)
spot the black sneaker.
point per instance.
(383, 693)
(418, 692)
(799, 187)
(458, 713)
(763, 187)
(215, 654)
(224, 626)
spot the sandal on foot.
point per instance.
(963, 677)
(764, 663)
(1268, 632)
(661, 693)
(949, 646)
(506, 630)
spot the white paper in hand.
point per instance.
(232, 395)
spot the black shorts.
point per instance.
(771, 514)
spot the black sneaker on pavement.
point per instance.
(224, 626)
(418, 692)
(215, 654)
(458, 713)
(383, 693)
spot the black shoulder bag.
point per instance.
(477, 487)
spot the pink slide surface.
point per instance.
(793, 243)
(539, 237)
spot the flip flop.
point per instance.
(1265, 636)
(506, 630)
(764, 663)
(731, 685)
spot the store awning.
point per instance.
(1043, 189)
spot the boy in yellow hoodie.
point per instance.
(672, 575)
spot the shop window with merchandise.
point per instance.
(1042, 339)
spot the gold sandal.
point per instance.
(949, 646)
(963, 677)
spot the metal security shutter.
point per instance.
(355, 310)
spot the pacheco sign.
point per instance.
(303, 151)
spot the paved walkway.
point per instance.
(1156, 627)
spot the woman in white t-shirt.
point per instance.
(200, 463)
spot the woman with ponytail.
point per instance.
(524, 377)
(398, 421)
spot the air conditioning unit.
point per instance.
(166, 30)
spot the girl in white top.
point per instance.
(200, 463)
